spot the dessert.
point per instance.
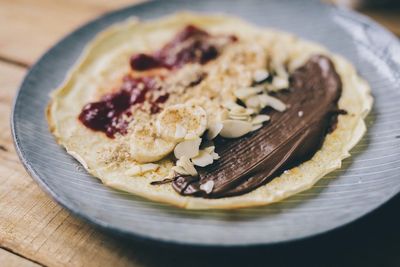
(207, 111)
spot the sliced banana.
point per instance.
(146, 146)
(181, 121)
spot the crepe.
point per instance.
(104, 62)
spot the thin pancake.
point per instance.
(105, 61)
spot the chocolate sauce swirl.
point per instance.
(292, 137)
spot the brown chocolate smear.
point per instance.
(290, 138)
(164, 181)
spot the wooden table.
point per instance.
(35, 231)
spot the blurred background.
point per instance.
(386, 12)
(44, 22)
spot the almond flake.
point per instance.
(240, 118)
(280, 83)
(207, 186)
(242, 112)
(253, 102)
(188, 148)
(209, 149)
(235, 128)
(215, 155)
(187, 165)
(203, 159)
(281, 71)
(213, 130)
(231, 105)
(259, 119)
(256, 127)
(273, 102)
(180, 170)
(238, 109)
(244, 93)
(260, 75)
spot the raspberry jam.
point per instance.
(110, 114)
(155, 107)
(191, 45)
(107, 115)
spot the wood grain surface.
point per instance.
(13, 260)
(29, 27)
(34, 230)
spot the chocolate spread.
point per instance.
(291, 137)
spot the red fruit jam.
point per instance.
(107, 115)
(191, 45)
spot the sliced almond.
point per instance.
(187, 165)
(259, 119)
(189, 148)
(275, 103)
(203, 159)
(213, 130)
(280, 83)
(256, 127)
(241, 118)
(244, 93)
(260, 75)
(280, 70)
(235, 128)
(238, 109)
(231, 105)
(215, 155)
(210, 150)
(253, 102)
(180, 170)
(207, 186)
(242, 112)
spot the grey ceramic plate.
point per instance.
(367, 180)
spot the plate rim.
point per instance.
(22, 155)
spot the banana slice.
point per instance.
(181, 121)
(146, 146)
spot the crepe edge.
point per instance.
(363, 90)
